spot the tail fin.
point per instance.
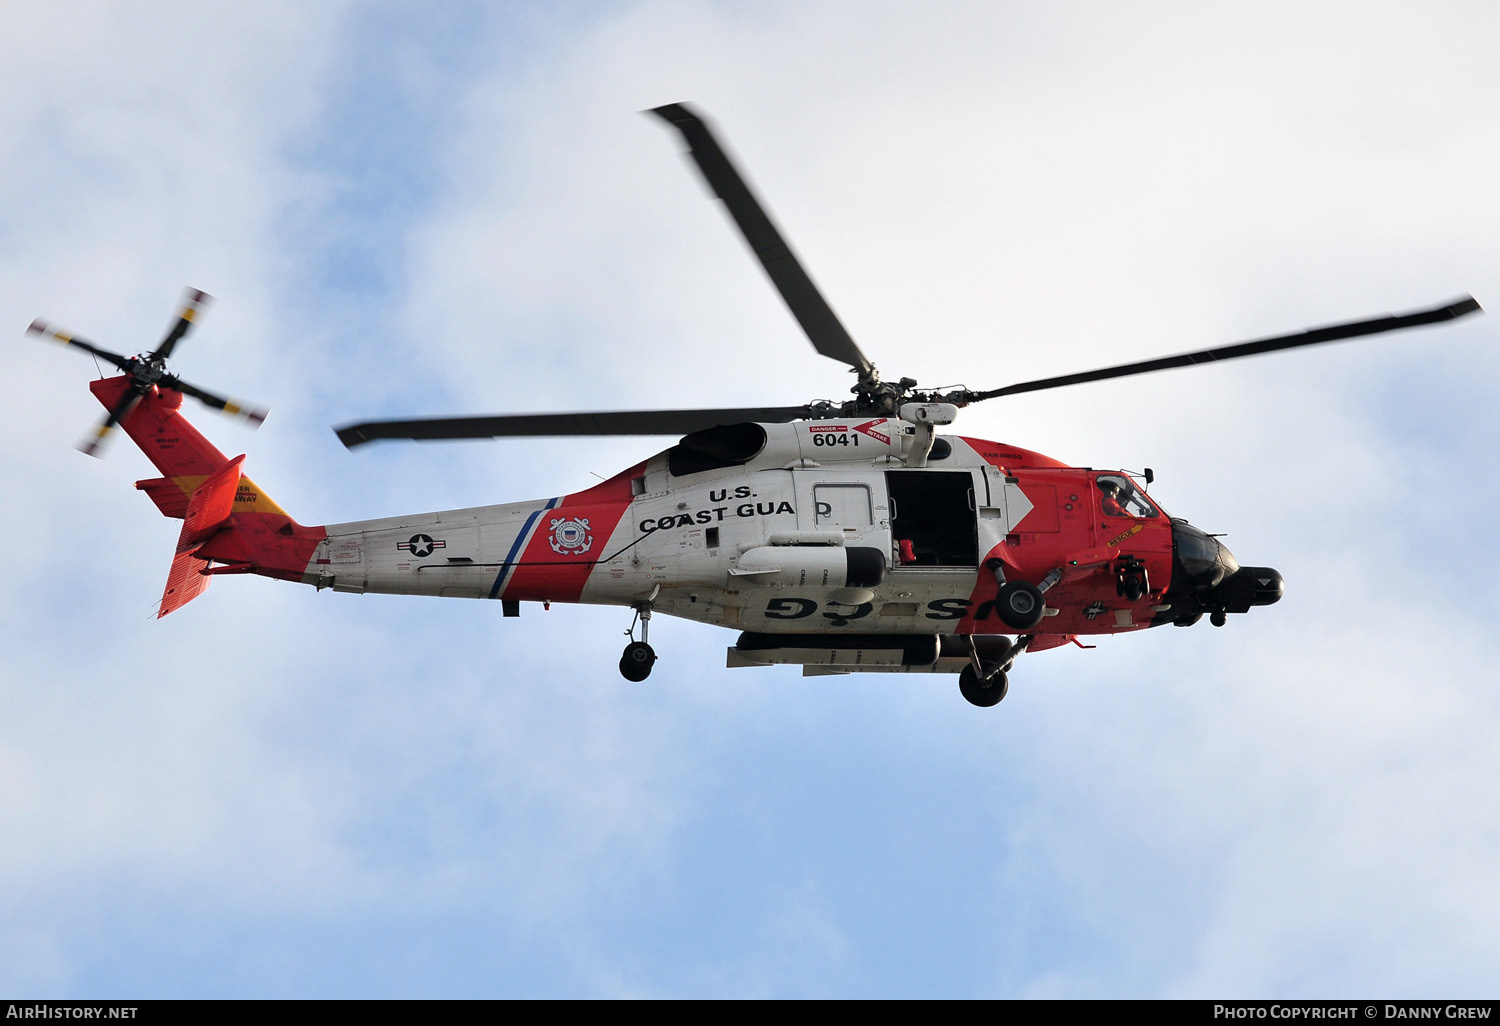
(208, 509)
(227, 519)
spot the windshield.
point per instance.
(1119, 497)
(1206, 559)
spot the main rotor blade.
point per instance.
(807, 304)
(41, 327)
(1316, 336)
(193, 303)
(253, 415)
(519, 425)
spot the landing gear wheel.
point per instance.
(636, 663)
(980, 692)
(1217, 618)
(1020, 605)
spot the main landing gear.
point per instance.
(1020, 603)
(639, 657)
(984, 682)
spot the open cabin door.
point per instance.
(933, 518)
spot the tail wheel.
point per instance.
(983, 691)
(1020, 605)
(636, 663)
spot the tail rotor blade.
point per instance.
(252, 415)
(94, 445)
(51, 331)
(194, 302)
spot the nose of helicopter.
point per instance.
(1257, 585)
(1206, 578)
(1246, 587)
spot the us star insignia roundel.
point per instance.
(421, 545)
(570, 536)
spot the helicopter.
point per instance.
(841, 536)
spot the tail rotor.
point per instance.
(148, 372)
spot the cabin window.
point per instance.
(842, 505)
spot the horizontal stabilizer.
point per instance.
(167, 494)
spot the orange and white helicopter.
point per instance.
(844, 537)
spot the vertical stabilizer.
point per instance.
(208, 511)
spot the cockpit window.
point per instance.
(1206, 560)
(1119, 497)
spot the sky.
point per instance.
(406, 210)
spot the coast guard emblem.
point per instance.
(570, 537)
